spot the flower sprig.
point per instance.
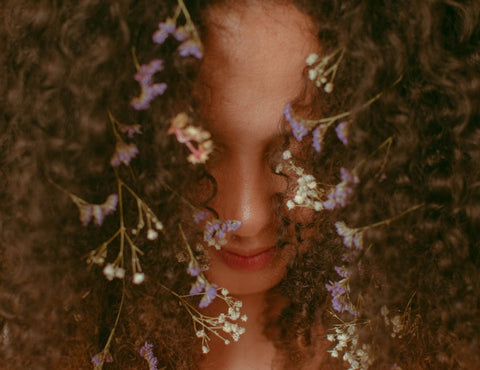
(191, 45)
(223, 326)
(346, 338)
(322, 71)
(197, 140)
(309, 194)
(187, 34)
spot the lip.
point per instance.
(252, 262)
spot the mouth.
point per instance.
(253, 262)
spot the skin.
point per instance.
(253, 65)
(243, 91)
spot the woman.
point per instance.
(317, 159)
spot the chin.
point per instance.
(245, 275)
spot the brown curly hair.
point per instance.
(66, 64)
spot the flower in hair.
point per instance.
(147, 353)
(129, 130)
(95, 211)
(124, 153)
(164, 30)
(195, 139)
(338, 196)
(209, 296)
(298, 129)
(215, 232)
(101, 358)
(318, 135)
(351, 237)
(149, 89)
(190, 48)
(342, 132)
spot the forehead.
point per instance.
(254, 57)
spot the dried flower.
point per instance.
(124, 153)
(298, 129)
(209, 296)
(164, 30)
(149, 89)
(215, 232)
(95, 211)
(138, 278)
(129, 130)
(191, 48)
(195, 139)
(338, 196)
(351, 237)
(147, 353)
(342, 132)
(318, 137)
(193, 268)
(101, 358)
(200, 216)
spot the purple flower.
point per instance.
(299, 130)
(164, 30)
(339, 291)
(149, 89)
(198, 286)
(318, 135)
(95, 211)
(181, 34)
(209, 296)
(342, 132)
(86, 213)
(342, 271)
(351, 237)
(193, 268)
(147, 353)
(200, 216)
(349, 177)
(124, 153)
(130, 130)
(190, 48)
(101, 358)
(338, 196)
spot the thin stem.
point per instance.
(112, 332)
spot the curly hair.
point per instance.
(67, 64)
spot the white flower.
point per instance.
(328, 88)
(109, 271)
(205, 349)
(152, 234)
(138, 278)
(119, 273)
(290, 204)
(312, 74)
(311, 59)
(287, 155)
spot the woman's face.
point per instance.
(254, 58)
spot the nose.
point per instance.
(246, 189)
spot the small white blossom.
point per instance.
(286, 155)
(109, 271)
(138, 278)
(311, 59)
(119, 273)
(152, 234)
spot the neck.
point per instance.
(253, 350)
